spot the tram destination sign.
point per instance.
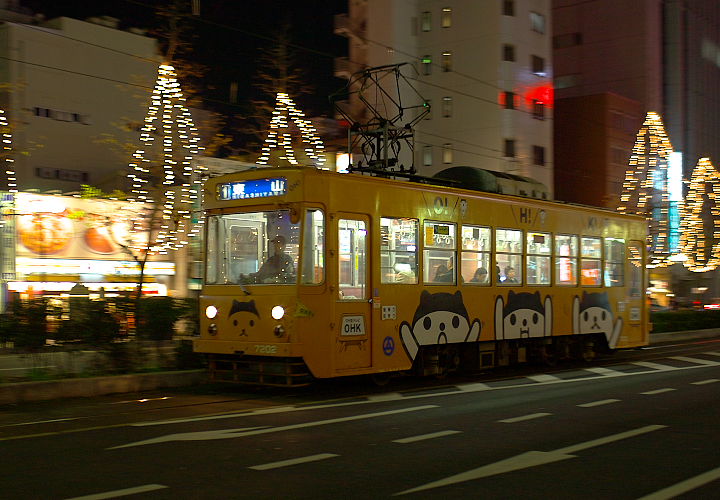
(256, 188)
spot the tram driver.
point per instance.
(278, 266)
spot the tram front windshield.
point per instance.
(252, 248)
(263, 248)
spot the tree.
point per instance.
(700, 226)
(645, 190)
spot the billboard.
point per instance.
(76, 230)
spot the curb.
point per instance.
(22, 392)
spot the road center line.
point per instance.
(703, 382)
(697, 361)
(684, 486)
(293, 461)
(598, 403)
(122, 493)
(423, 437)
(654, 366)
(524, 417)
(658, 391)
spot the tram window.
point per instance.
(352, 256)
(475, 255)
(636, 269)
(614, 262)
(508, 256)
(539, 247)
(566, 254)
(439, 253)
(590, 253)
(313, 252)
(398, 250)
(240, 244)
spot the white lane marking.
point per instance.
(42, 422)
(695, 360)
(122, 493)
(713, 353)
(293, 461)
(423, 437)
(654, 366)
(390, 396)
(253, 431)
(524, 417)
(529, 459)
(598, 403)
(543, 377)
(478, 386)
(684, 486)
(703, 382)
(658, 391)
(604, 371)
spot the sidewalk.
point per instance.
(97, 386)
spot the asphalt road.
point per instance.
(643, 424)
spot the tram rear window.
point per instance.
(252, 248)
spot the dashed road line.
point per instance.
(604, 371)
(522, 418)
(479, 386)
(658, 391)
(703, 382)
(390, 396)
(543, 378)
(122, 493)
(695, 360)
(293, 461)
(599, 403)
(423, 437)
(655, 366)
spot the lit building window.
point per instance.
(447, 61)
(427, 65)
(446, 20)
(537, 64)
(447, 153)
(508, 52)
(426, 21)
(447, 107)
(427, 156)
(537, 22)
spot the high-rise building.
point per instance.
(484, 67)
(616, 60)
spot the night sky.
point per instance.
(228, 37)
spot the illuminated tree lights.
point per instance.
(645, 190)
(10, 179)
(161, 175)
(701, 245)
(280, 136)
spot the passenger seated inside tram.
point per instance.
(279, 266)
(443, 274)
(480, 276)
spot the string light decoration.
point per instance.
(645, 189)
(280, 135)
(161, 174)
(10, 178)
(701, 245)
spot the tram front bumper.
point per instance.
(247, 348)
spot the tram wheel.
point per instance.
(381, 379)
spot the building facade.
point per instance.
(76, 95)
(484, 68)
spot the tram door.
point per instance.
(353, 307)
(637, 281)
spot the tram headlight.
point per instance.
(211, 312)
(277, 312)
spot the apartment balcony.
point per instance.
(343, 68)
(342, 25)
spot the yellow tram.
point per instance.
(311, 273)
